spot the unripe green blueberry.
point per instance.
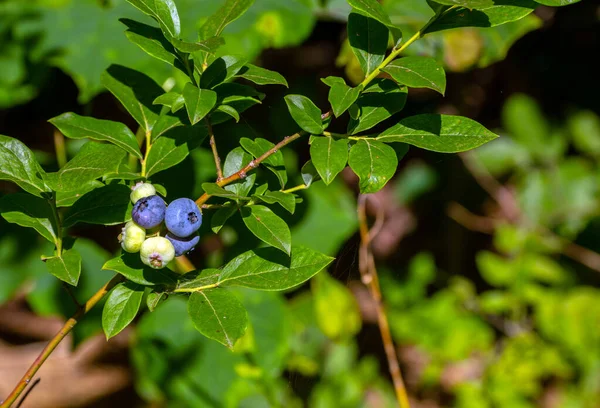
(132, 236)
(141, 190)
(157, 252)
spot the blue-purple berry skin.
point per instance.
(183, 245)
(148, 212)
(183, 217)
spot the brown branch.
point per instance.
(369, 277)
(488, 225)
(471, 221)
(241, 174)
(502, 195)
(213, 147)
(66, 329)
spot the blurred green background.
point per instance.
(489, 260)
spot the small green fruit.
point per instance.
(141, 190)
(132, 237)
(157, 252)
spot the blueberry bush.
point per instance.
(236, 320)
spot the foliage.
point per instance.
(198, 87)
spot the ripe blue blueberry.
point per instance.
(183, 245)
(157, 252)
(148, 212)
(183, 217)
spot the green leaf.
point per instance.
(94, 160)
(29, 211)
(236, 160)
(214, 189)
(167, 122)
(108, 205)
(233, 92)
(168, 17)
(286, 200)
(121, 307)
(209, 45)
(557, 3)
(305, 113)
(329, 156)
(584, 126)
(263, 269)
(229, 111)
(261, 76)
(145, 6)
(66, 267)
(342, 96)
(336, 308)
(136, 92)
(154, 299)
(230, 11)
(18, 164)
(221, 216)
(502, 12)
(371, 8)
(376, 106)
(374, 163)
(418, 72)
(219, 315)
(439, 133)
(368, 39)
(469, 4)
(132, 268)
(524, 120)
(267, 227)
(174, 146)
(152, 41)
(221, 70)
(80, 127)
(67, 198)
(274, 162)
(173, 100)
(332, 80)
(198, 102)
(309, 173)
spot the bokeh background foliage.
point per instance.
(489, 264)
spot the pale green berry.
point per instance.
(141, 190)
(157, 252)
(132, 237)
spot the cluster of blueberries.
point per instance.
(182, 218)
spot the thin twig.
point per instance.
(241, 174)
(213, 147)
(66, 329)
(296, 188)
(488, 225)
(369, 277)
(26, 394)
(502, 195)
(59, 146)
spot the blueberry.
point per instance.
(157, 252)
(132, 236)
(183, 245)
(148, 212)
(183, 217)
(141, 190)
